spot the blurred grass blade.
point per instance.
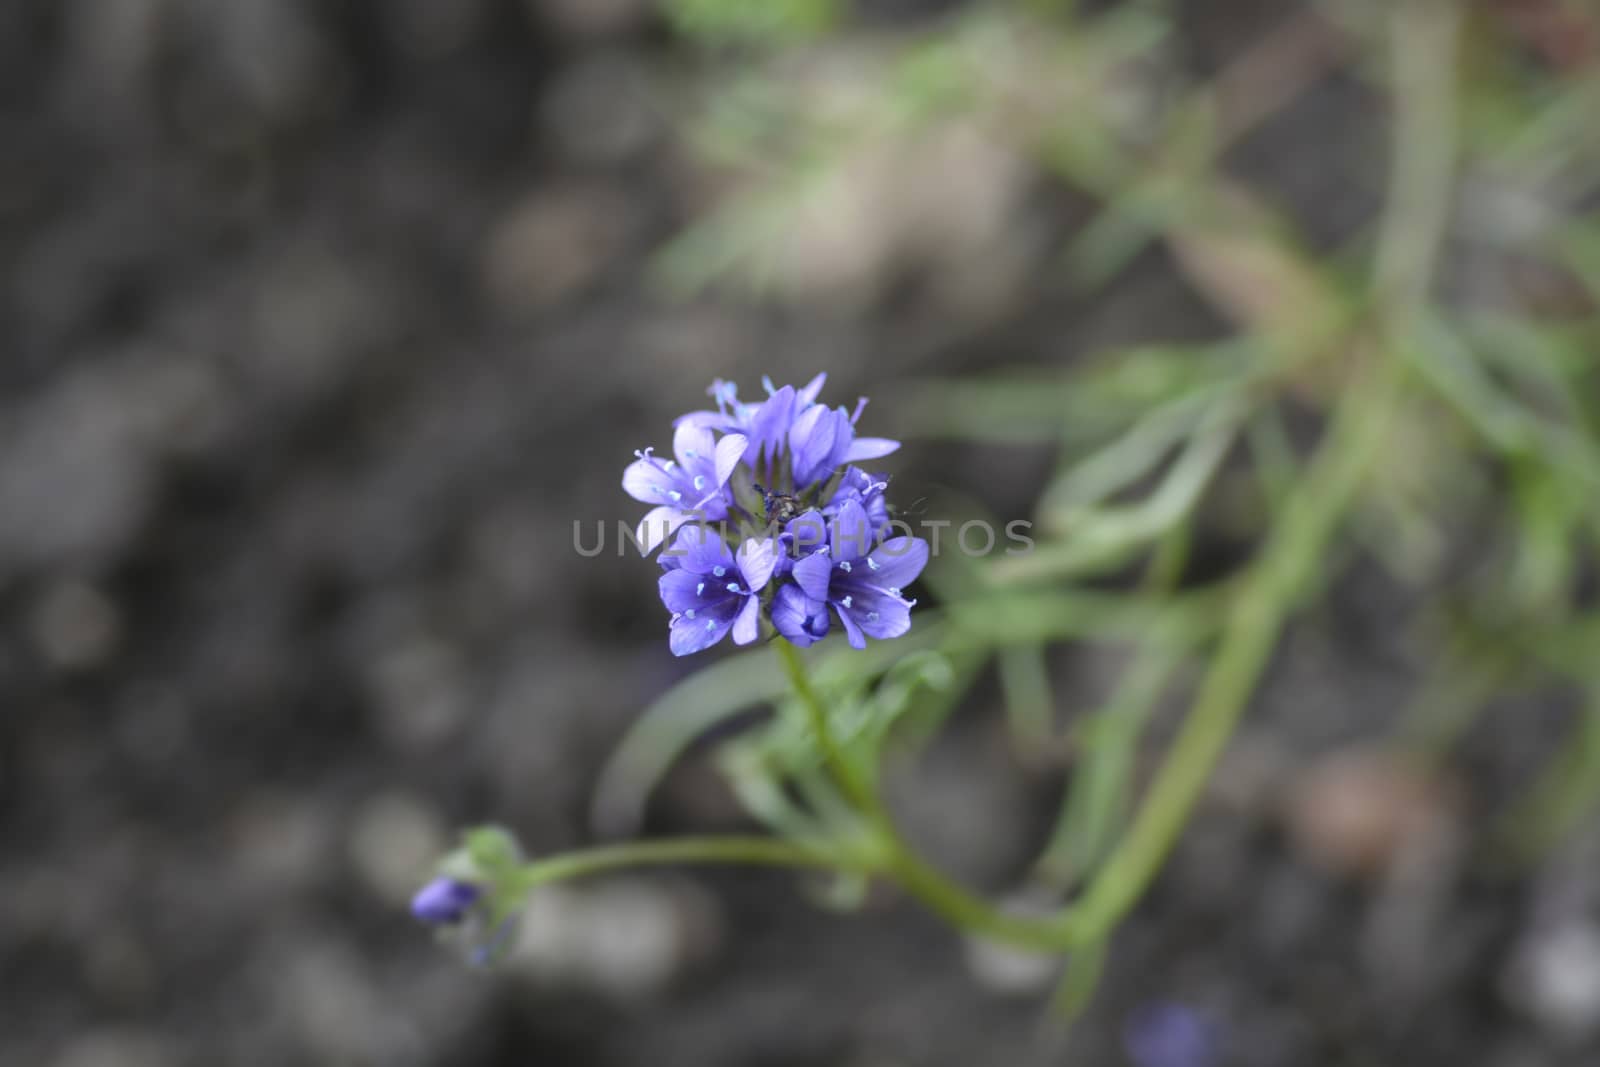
(1111, 533)
(771, 22)
(1235, 255)
(1096, 803)
(1129, 458)
(1446, 363)
(1030, 708)
(1275, 463)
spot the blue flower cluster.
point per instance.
(772, 517)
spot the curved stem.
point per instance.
(729, 849)
(965, 911)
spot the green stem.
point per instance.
(765, 851)
(851, 783)
(961, 909)
(900, 862)
(1094, 807)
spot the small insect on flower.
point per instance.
(781, 508)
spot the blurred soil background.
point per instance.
(323, 322)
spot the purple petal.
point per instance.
(747, 627)
(814, 574)
(869, 448)
(801, 620)
(852, 631)
(812, 440)
(880, 616)
(730, 450)
(684, 590)
(808, 395)
(857, 484)
(689, 636)
(851, 532)
(695, 447)
(444, 900)
(878, 514)
(700, 550)
(646, 482)
(769, 423)
(807, 532)
(711, 420)
(657, 525)
(896, 563)
(757, 559)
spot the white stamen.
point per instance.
(719, 570)
(699, 481)
(700, 590)
(711, 624)
(847, 601)
(733, 587)
(844, 565)
(873, 564)
(689, 614)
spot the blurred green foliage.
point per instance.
(1426, 394)
(767, 22)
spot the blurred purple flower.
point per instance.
(1168, 1034)
(444, 901)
